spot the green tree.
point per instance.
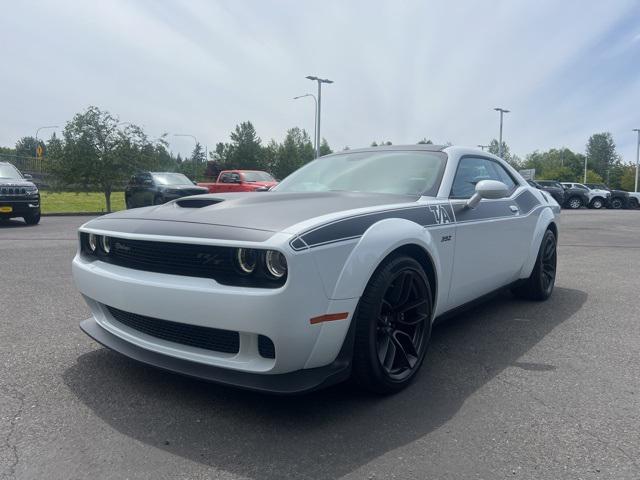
(97, 154)
(295, 151)
(593, 177)
(424, 141)
(54, 147)
(245, 149)
(556, 164)
(325, 149)
(601, 152)
(628, 178)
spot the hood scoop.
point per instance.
(198, 202)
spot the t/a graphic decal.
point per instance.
(440, 214)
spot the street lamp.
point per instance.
(483, 146)
(195, 141)
(315, 119)
(585, 168)
(635, 188)
(320, 82)
(502, 112)
(38, 131)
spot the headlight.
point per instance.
(246, 259)
(93, 242)
(276, 263)
(105, 243)
(32, 190)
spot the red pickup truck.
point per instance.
(240, 181)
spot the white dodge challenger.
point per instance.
(338, 272)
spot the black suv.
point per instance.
(573, 197)
(18, 196)
(618, 198)
(556, 192)
(155, 188)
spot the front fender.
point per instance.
(544, 220)
(377, 242)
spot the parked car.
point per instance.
(573, 197)
(634, 199)
(156, 188)
(340, 271)
(597, 198)
(556, 191)
(240, 181)
(618, 198)
(19, 197)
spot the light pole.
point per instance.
(502, 112)
(195, 141)
(315, 119)
(38, 131)
(483, 146)
(635, 188)
(585, 169)
(320, 82)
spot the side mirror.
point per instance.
(27, 176)
(489, 189)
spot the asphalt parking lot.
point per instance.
(511, 389)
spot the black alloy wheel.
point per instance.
(393, 326)
(401, 323)
(616, 203)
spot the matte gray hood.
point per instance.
(268, 212)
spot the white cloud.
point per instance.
(402, 70)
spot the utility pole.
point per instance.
(320, 82)
(502, 112)
(635, 188)
(585, 169)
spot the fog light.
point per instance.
(93, 242)
(246, 259)
(276, 263)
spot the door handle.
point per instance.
(514, 209)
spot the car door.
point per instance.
(492, 240)
(135, 191)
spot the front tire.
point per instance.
(32, 218)
(633, 203)
(616, 203)
(597, 203)
(393, 326)
(539, 285)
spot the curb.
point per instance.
(72, 214)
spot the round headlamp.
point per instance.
(93, 242)
(246, 259)
(276, 263)
(105, 244)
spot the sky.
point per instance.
(403, 70)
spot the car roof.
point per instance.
(426, 147)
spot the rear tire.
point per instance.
(574, 203)
(539, 285)
(616, 203)
(393, 326)
(32, 218)
(633, 203)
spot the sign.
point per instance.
(528, 173)
(39, 151)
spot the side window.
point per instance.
(225, 178)
(472, 170)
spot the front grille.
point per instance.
(205, 261)
(226, 341)
(266, 347)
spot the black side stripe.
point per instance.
(354, 227)
(424, 215)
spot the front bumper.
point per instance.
(285, 384)
(283, 315)
(19, 207)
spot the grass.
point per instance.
(72, 202)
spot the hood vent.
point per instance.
(198, 202)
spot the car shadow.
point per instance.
(324, 434)
(12, 223)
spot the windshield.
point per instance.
(171, 179)
(393, 172)
(258, 177)
(9, 171)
